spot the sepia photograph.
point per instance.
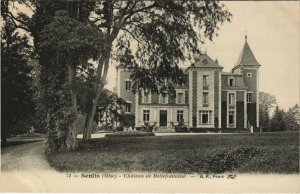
(150, 96)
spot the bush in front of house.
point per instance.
(119, 128)
(180, 127)
(130, 134)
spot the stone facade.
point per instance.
(210, 98)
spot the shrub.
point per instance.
(181, 127)
(203, 130)
(130, 134)
(147, 127)
(120, 128)
(105, 128)
(231, 159)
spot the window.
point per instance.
(231, 82)
(179, 115)
(163, 98)
(146, 97)
(205, 98)
(249, 97)
(180, 98)
(231, 118)
(231, 99)
(249, 74)
(205, 79)
(205, 117)
(127, 85)
(128, 108)
(146, 115)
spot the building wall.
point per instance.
(253, 86)
(155, 113)
(196, 90)
(129, 96)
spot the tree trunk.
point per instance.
(71, 139)
(98, 87)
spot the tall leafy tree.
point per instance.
(73, 44)
(267, 103)
(160, 34)
(277, 122)
(16, 92)
(291, 117)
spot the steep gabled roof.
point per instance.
(206, 62)
(246, 57)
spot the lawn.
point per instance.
(240, 153)
(23, 139)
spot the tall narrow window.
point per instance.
(146, 97)
(127, 85)
(180, 98)
(231, 118)
(146, 115)
(249, 97)
(179, 115)
(128, 108)
(164, 98)
(205, 117)
(231, 82)
(231, 99)
(205, 79)
(205, 98)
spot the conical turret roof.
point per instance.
(246, 57)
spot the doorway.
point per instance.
(163, 118)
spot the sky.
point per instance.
(273, 31)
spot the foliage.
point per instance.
(16, 92)
(231, 159)
(159, 34)
(127, 120)
(266, 104)
(277, 122)
(147, 127)
(130, 134)
(292, 117)
(180, 127)
(71, 44)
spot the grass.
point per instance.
(241, 153)
(14, 143)
(23, 139)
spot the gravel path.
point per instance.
(22, 157)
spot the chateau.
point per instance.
(209, 99)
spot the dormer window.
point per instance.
(231, 82)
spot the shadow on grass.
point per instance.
(14, 143)
(241, 153)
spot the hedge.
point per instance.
(130, 134)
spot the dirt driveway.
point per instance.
(22, 157)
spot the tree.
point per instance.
(160, 34)
(266, 103)
(73, 43)
(16, 92)
(291, 117)
(277, 122)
